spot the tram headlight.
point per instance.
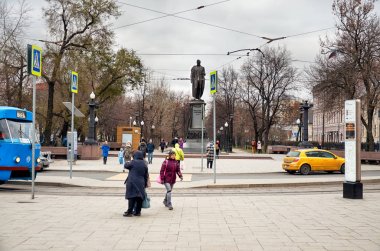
(38, 160)
(17, 159)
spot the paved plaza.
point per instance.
(238, 220)
(275, 222)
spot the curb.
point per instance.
(300, 184)
(216, 186)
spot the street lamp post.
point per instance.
(226, 146)
(95, 124)
(230, 133)
(221, 135)
(298, 122)
(304, 109)
(141, 128)
(91, 127)
(152, 133)
(130, 121)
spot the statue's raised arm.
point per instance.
(198, 80)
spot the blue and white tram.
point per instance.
(16, 144)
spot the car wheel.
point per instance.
(2, 182)
(290, 172)
(305, 169)
(343, 168)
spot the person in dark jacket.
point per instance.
(137, 181)
(162, 145)
(169, 171)
(150, 149)
(142, 147)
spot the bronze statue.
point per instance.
(198, 80)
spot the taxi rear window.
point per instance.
(293, 154)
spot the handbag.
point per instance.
(146, 202)
(158, 179)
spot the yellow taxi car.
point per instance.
(310, 160)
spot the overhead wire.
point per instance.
(191, 20)
(166, 14)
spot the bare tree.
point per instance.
(357, 43)
(269, 79)
(13, 77)
(228, 96)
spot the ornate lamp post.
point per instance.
(91, 127)
(221, 135)
(95, 133)
(298, 122)
(226, 145)
(304, 108)
(141, 128)
(152, 132)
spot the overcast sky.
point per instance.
(171, 35)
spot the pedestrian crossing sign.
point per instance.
(213, 81)
(74, 82)
(34, 60)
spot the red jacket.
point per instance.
(169, 169)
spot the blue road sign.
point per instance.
(213, 81)
(35, 60)
(74, 82)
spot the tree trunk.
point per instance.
(19, 95)
(49, 113)
(370, 140)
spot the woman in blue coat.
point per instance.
(136, 183)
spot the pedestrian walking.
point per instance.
(136, 183)
(210, 154)
(180, 142)
(259, 146)
(169, 170)
(174, 141)
(120, 155)
(217, 148)
(142, 147)
(105, 149)
(254, 146)
(179, 155)
(128, 152)
(162, 145)
(150, 149)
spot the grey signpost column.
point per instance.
(213, 90)
(352, 186)
(34, 68)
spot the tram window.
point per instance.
(4, 133)
(19, 131)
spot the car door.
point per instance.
(328, 161)
(312, 160)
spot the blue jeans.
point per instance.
(168, 195)
(150, 158)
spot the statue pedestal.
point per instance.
(194, 132)
(91, 152)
